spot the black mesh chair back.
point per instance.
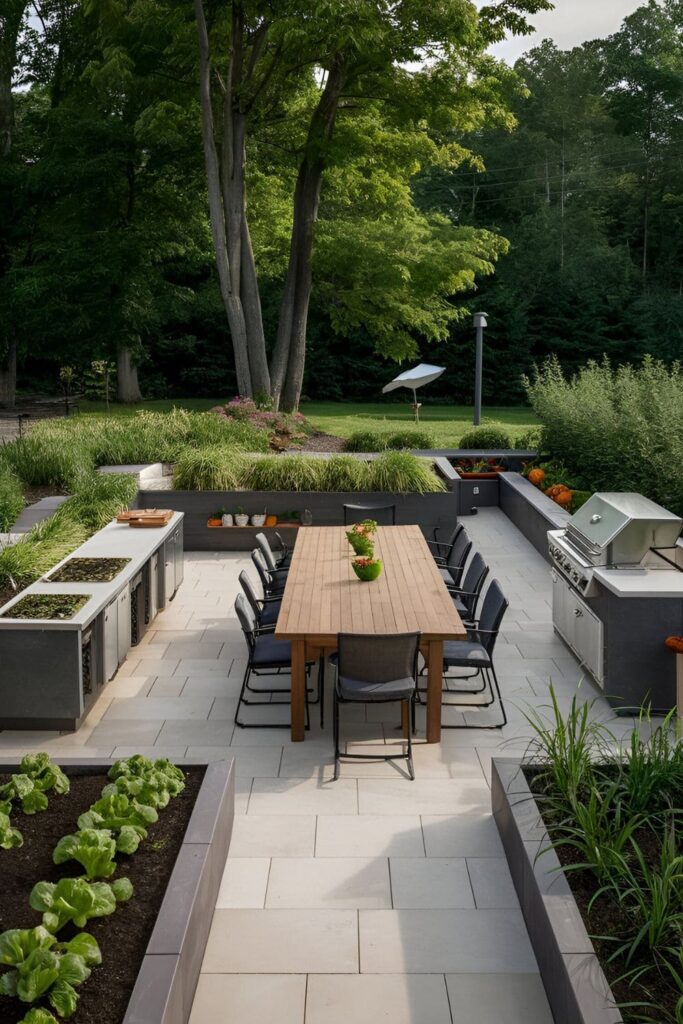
(250, 593)
(262, 570)
(384, 515)
(472, 583)
(492, 611)
(247, 619)
(458, 556)
(266, 550)
(378, 658)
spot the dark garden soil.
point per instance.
(608, 924)
(7, 592)
(88, 570)
(123, 936)
(47, 606)
(35, 492)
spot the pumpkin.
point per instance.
(556, 489)
(215, 522)
(536, 477)
(564, 498)
(675, 643)
(271, 520)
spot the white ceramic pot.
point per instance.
(241, 520)
(227, 519)
(258, 520)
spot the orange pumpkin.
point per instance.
(271, 520)
(215, 522)
(536, 477)
(675, 643)
(556, 489)
(564, 498)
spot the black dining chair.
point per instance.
(376, 669)
(273, 563)
(466, 597)
(266, 655)
(285, 555)
(265, 609)
(476, 654)
(442, 548)
(272, 581)
(384, 515)
(453, 568)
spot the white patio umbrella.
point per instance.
(413, 379)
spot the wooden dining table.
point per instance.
(323, 597)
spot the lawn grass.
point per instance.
(446, 422)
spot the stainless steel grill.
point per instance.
(611, 530)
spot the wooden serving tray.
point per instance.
(139, 513)
(150, 522)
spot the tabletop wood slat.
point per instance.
(323, 597)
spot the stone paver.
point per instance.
(372, 898)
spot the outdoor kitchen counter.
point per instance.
(641, 582)
(117, 540)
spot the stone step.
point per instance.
(38, 512)
(146, 472)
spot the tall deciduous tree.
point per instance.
(309, 69)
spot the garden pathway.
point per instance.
(372, 898)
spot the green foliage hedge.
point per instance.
(227, 469)
(615, 429)
(490, 435)
(375, 441)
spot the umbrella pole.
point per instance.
(416, 407)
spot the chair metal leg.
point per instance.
(335, 727)
(321, 688)
(409, 758)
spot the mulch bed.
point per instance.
(607, 921)
(319, 442)
(35, 492)
(123, 936)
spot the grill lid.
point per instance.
(609, 513)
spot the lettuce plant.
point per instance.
(38, 1016)
(9, 837)
(149, 782)
(95, 849)
(42, 966)
(77, 900)
(37, 776)
(117, 811)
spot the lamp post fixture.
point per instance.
(479, 325)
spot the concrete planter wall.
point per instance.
(531, 511)
(169, 972)
(576, 986)
(427, 510)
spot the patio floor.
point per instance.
(372, 898)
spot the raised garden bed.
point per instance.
(88, 570)
(46, 606)
(575, 983)
(152, 946)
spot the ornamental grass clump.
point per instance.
(366, 441)
(403, 473)
(11, 498)
(284, 473)
(211, 468)
(345, 473)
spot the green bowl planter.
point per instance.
(367, 569)
(361, 545)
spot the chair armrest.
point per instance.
(457, 592)
(262, 630)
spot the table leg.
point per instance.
(298, 690)
(434, 686)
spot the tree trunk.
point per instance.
(253, 317)
(10, 24)
(8, 376)
(128, 388)
(217, 214)
(287, 365)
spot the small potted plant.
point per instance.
(216, 519)
(226, 518)
(367, 569)
(258, 519)
(241, 517)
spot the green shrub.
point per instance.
(211, 468)
(403, 473)
(39, 549)
(345, 473)
(99, 498)
(616, 429)
(366, 441)
(410, 439)
(47, 457)
(11, 498)
(491, 435)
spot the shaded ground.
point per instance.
(321, 442)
